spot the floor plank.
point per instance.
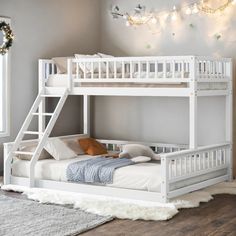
(215, 218)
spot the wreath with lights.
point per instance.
(7, 37)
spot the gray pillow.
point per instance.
(135, 150)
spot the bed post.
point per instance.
(228, 118)
(164, 180)
(70, 74)
(7, 163)
(86, 112)
(41, 87)
(193, 105)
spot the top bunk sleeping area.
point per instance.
(102, 74)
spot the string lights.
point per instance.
(140, 16)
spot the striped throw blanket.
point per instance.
(96, 170)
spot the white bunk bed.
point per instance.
(182, 169)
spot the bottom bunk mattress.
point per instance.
(141, 176)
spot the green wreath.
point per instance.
(7, 37)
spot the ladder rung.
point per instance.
(44, 114)
(32, 132)
(24, 153)
(51, 95)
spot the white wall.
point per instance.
(45, 29)
(159, 119)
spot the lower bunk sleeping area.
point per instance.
(168, 170)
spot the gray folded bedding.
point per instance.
(96, 170)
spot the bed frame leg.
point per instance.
(86, 106)
(7, 165)
(193, 106)
(164, 181)
(229, 120)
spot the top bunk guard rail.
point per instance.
(179, 75)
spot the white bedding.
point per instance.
(142, 176)
(61, 80)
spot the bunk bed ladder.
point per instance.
(42, 136)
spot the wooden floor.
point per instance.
(215, 218)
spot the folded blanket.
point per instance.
(96, 170)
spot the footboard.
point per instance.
(195, 169)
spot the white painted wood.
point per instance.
(164, 179)
(129, 91)
(193, 106)
(91, 189)
(229, 119)
(134, 80)
(70, 73)
(8, 160)
(86, 113)
(195, 187)
(45, 136)
(43, 114)
(41, 88)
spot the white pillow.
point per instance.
(111, 65)
(31, 148)
(135, 150)
(140, 159)
(86, 67)
(73, 143)
(74, 146)
(61, 63)
(59, 150)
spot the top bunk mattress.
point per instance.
(61, 80)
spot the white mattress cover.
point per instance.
(61, 80)
(142, 176)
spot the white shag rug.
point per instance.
(124, 209)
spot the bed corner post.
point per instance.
(7, 163)
(41, 88)
(229, 118)
(164, 180)
(70, 74)
(86, 112)
(193, 104)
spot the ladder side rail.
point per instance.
(44, 138)
(42, 81)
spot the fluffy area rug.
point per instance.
(125, 209)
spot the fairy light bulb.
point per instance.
(154, 20)
(188, 11)
(125, 17)
(174, 14)
(127, 23)
(195, 9)
(234, 2)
